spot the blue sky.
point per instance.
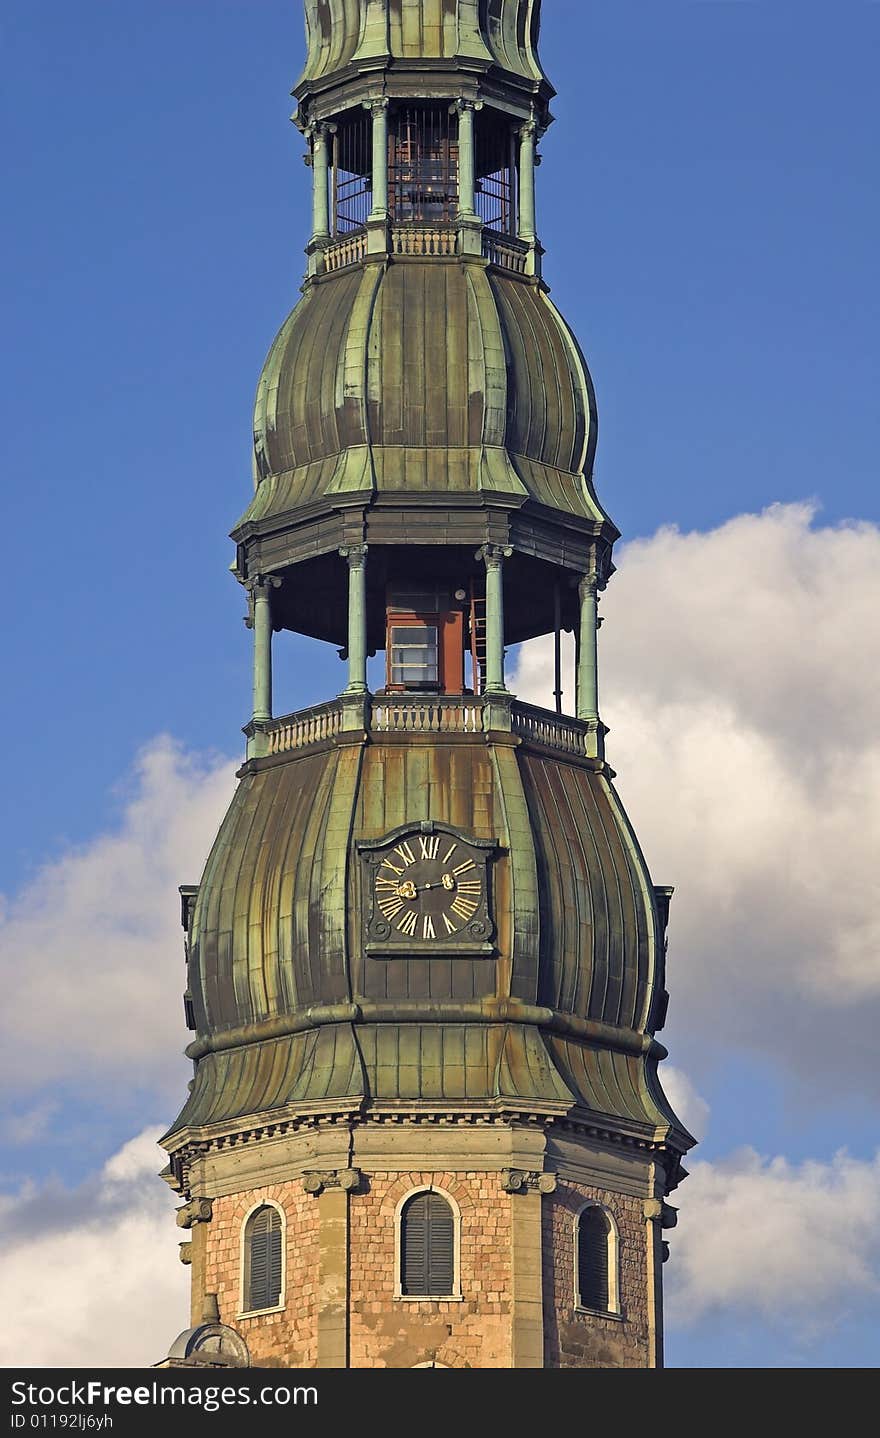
(708, 203)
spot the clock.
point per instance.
(427, 892)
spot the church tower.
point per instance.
(425, 962)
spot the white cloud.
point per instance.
(690, 1106)
(29, 1126)
(92, 947)
(92, 1276)
(776, 1241)
(740, 675)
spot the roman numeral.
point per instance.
(470, 886)
(386, 883)
(407, 925)
(393, 867)
(450, 927)
(449, 853)
(463, 868)
(465, 908)
(405, 853)
(429, 846)
(391, 907)
(428, 927)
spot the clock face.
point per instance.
(429, 890)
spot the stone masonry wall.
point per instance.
(473, 1332)
(287, 1339)
(584, 1340)
(389, 1332)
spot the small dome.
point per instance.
(424, 375)
(502, 33)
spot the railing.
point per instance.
(423, 240)
(348, 250)
(309, 726)
(505, 251)
(413, 714)
(552, 731)
(429, 715)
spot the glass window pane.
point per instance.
(414, 654)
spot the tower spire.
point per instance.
(426, 959)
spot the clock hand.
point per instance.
(409, 890)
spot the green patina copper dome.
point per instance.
(424, 376)
(481, 33)
(289, 1009)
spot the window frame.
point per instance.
(614, 1309)
(456, 1295)
(424, 686)
(244, 1269)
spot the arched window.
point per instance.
(427, 1246)
(596, 1283)
(263, 1256)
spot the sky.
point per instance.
(708, 202)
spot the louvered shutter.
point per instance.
(264, 1258)
(427, 1245)
(593, 1259)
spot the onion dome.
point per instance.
(498, 34)
(291, 1011)
(424, 376)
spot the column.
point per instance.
(320, 190)
(466, 171)
(528, 137)
(587, 698)
(261, 589)
(658, 1215)
(493, 555)
(557, 648)
(356, 554)
(527, 1302)
(332, 1297)
(379, 111)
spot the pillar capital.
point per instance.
(314, 1181)
(262, 583)
(356, 554)
(199, 1210)
(377, 105)
(493, 554)
(520, 1180)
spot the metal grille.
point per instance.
(427, 1241)
(495, 169)
(264, 1259)
(350, 174)
(423, 164)
(593, 1235)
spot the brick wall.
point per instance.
(284, 1339)
(585, 1340)
(474, 1332)
(401, 1333)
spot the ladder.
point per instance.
(477, 636)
